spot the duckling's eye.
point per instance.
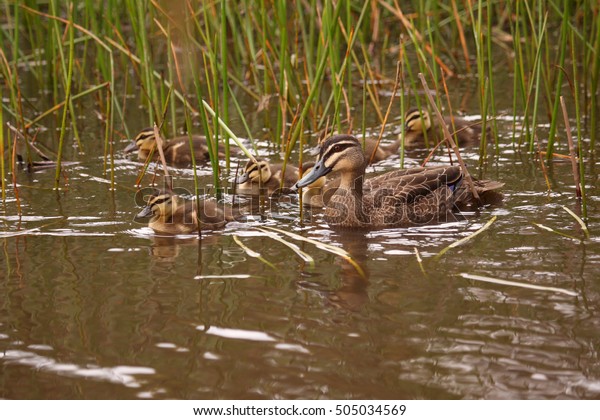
(337, 148)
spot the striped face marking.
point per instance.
(257, 171)
(161, 204)
(333, 151)
(145, 139)
(415, 122)
(338, 153)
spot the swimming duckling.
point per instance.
(398, 198)
(176, 150)
(262, 176)
(172, 214)
(383, 151)
(416, 123)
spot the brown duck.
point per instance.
(399, 198)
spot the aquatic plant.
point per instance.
(300, 63)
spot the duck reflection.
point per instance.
(354, 275)
(168, 248)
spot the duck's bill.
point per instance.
(130, 147)
(315, 173)
(146, 212)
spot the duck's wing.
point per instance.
(404, 186)
(391, 176)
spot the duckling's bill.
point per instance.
(131, 147)
(242, 178)
(146, 212)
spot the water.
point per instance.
(94, 305)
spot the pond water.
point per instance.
(94, 305)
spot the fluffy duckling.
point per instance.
(176, 150)
(417, 123)
(383, 151)
(261, 176)
(171, 214)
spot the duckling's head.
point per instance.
(143, 142)
(339, 153)
(417, 120)
(159, 204)
(255, 172)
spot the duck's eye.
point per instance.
(337, 148)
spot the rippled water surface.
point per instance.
(94, 305)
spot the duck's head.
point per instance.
(339, 153)
(144, 141)
(417, 120)
(255, 172)
(159, 204)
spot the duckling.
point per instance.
(382, 151)
(171, 214)
(416, 123)
(262, 176)
(177, 150)
(399, 198)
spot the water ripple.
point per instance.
(123, 375)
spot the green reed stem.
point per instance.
(189, 129)
(63, 63)
(281, 16)
(559, 80)
(490, 97)
(224, 73)
(214, 144)
(172, 77)
(363, 125)
(580, 144)
(306, 108)
(108, 137)
(402, 101)
(242, 118)
(595, 82)
(138, 12)
(2, 170)
(534, 87)
(69, 81)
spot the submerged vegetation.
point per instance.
(307, 66)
